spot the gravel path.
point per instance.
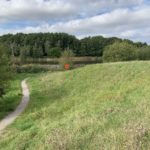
(21, 107)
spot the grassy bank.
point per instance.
(104, 106)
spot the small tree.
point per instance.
(54, 52)
(120, 51)
(144, 53)
(24, 52)
(37, 51)
(66, 58)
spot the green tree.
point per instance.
(40, 43)
(4, 69)
(66, 58)
(24, 53)
(120, 51)
(47, 46)
(144, 53)
(54, 52)
(37, 51)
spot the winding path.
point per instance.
(21, 107)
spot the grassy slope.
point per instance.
(104, 106)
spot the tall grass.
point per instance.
(104, 106)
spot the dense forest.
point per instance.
(39, 45)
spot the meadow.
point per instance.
(103, 106)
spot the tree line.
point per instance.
(39, 45)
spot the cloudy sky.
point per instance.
(121, 18)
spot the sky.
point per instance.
(121, 18)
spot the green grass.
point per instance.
(12, 97)
(104, 106)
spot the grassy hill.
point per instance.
(103, 106)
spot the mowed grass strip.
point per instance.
(103, 106)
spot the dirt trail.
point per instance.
(21, 107)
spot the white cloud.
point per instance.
(34, 10)
(123, 22)
(56, 9)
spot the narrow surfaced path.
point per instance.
(21, 107)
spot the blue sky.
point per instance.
(122, 18)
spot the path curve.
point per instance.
(21, 107)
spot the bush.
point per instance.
(120, 51)
(66, 58)
(54, 52)
(144, 53)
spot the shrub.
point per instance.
(144, 53)
(54, 52)
(120, 51)
(66, 58)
